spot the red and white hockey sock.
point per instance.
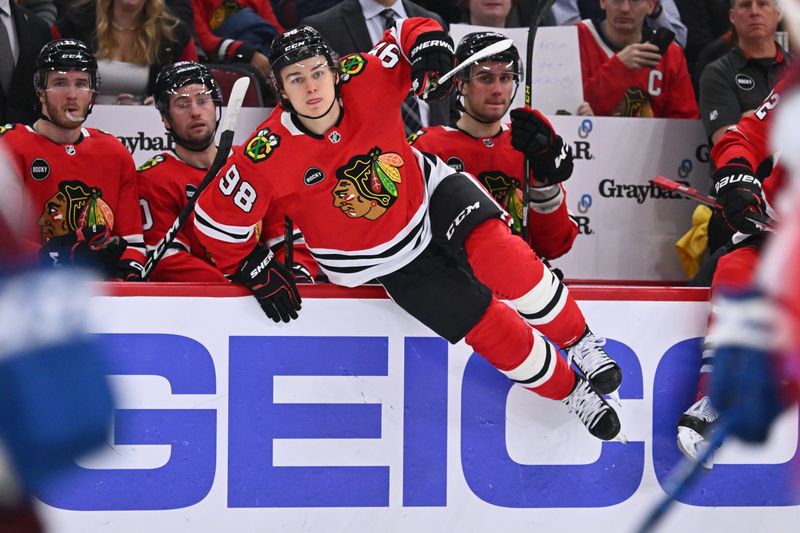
(520, 353)
(507, 265)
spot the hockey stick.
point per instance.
(684, 475)
(223, 148)
(289, 244)
(492, 49)
(762, 222)
(536, 19)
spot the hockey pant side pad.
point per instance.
(734, 272)
(458, 205)
(507, 265)
(519, 352)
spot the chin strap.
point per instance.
(318, 116)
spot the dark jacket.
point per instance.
(345, 29)
(81, 23)
(32, 34)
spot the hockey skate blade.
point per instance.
(693, 445)
(614, 397)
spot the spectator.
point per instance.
(44, 9)
(81, 181)
(356, 25)
(236, 31)
(740, 80)
(22, 35)
(492, 13)
(188, 99)
(624, 74)
(569, 12)
(131, 41)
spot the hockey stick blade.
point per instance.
(223, 149)
(762, 222)
(684, 475)
(492, 49)
(542, 7)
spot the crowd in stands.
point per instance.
(619, 44)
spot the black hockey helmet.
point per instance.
(173, 77)
(296, 45)
(477, 41)
(64, 55)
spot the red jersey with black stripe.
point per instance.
(166, 183)
(92, 181)
(612, 89)
(498, 167)
(359, 192)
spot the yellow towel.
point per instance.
(692, 246)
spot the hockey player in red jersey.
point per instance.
(483, 146)
(745, 184)
(81, 181)
(189, 100)
(335, 158)
(625, 73)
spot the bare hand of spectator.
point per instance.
(585, 110)
(261, 62)
(149, 101)
(640, 55)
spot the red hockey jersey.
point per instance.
(165, 185)
(749, 138)
(72, 185)
(359, 193)
(611, 88)
(498, 167)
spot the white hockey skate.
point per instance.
(602, 372)
(594, 411)
(694, 426)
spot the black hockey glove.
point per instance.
(129, 270)
(301, 274)
(739, 193)
(550, 157)
(271, 283)
(431, 57)
(91, 246)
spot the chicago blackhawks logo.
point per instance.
(150, 163)
(367, 184)
(635, 103)
(5, 127)
(352, 65)
(261, 146)
(506, 191)
(414, 136)
(74, 206)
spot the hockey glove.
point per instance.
(550, 157)
(301, 274)
(743, 385)
(271, 283)
(431, 57)
(739, 193)
(90, 246)
(129, 270)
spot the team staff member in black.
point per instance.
(741, 79)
